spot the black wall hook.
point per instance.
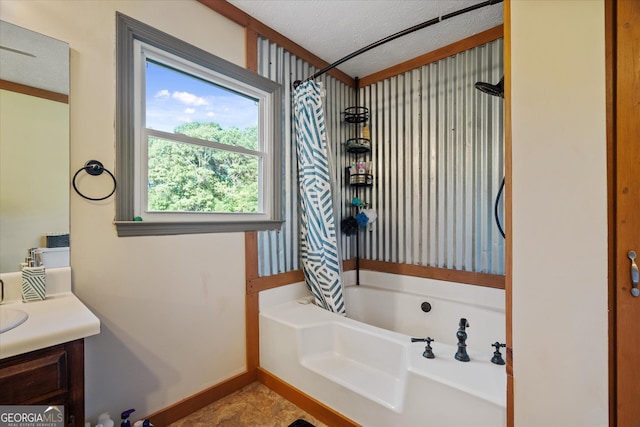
(94, 168)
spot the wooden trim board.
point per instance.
(307, 403)
(198, 401)
(34, 91)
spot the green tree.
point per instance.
(194, 178)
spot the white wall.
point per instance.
(172, 308)
(34, 169)
(559, 213)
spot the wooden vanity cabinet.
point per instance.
(50, 376)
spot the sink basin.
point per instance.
(11, 318)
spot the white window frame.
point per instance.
(143, 52)
(136, 42)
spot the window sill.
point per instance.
(141, 228)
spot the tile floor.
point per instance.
(252, 406)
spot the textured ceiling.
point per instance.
(332, 29)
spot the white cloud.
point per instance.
(211, 114)
(189, 98)
(189, 110)
(163, 94)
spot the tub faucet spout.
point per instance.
(461, 354)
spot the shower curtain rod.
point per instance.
(397, 35)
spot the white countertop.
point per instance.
(60, 318)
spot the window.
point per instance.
(198, 139)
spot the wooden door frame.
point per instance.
(621, 210)
(615, 275)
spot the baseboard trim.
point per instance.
(305, 402)
(199, 400)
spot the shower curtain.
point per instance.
(318, 239)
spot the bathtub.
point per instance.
(365, 367)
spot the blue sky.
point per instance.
(174, 98)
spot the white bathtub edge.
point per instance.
(285, 319)
(414, 362)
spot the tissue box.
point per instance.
(34, 284)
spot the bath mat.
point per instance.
(301, 423)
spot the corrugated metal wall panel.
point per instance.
(278, 251)
(437, 155)
(437, 150)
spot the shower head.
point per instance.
(495, 90)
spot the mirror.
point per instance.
(34, 146)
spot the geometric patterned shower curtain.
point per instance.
(318, 239)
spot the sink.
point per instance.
(11, 318)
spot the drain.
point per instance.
(426, 307)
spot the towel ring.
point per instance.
(94, 168)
